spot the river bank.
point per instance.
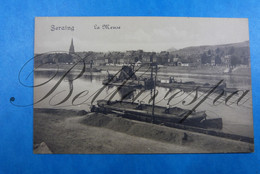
(201, 70)
(74, 132)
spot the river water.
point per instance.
(80, 93)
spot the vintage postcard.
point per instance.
(120, 85)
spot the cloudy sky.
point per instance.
(146, 33)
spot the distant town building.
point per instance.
(121, 61)
(176, 61)
(185, 64)
(226, 60)
(71, 51)
(138, 63)
(213, 62)
(99, 61)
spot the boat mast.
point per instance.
(154, 90)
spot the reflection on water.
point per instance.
(80, 93)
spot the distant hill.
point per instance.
(195, 50)
(238, 52)
(172, 49)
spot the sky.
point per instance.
(146, 33)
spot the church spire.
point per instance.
(71, 47)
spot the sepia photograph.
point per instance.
(142, 85)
